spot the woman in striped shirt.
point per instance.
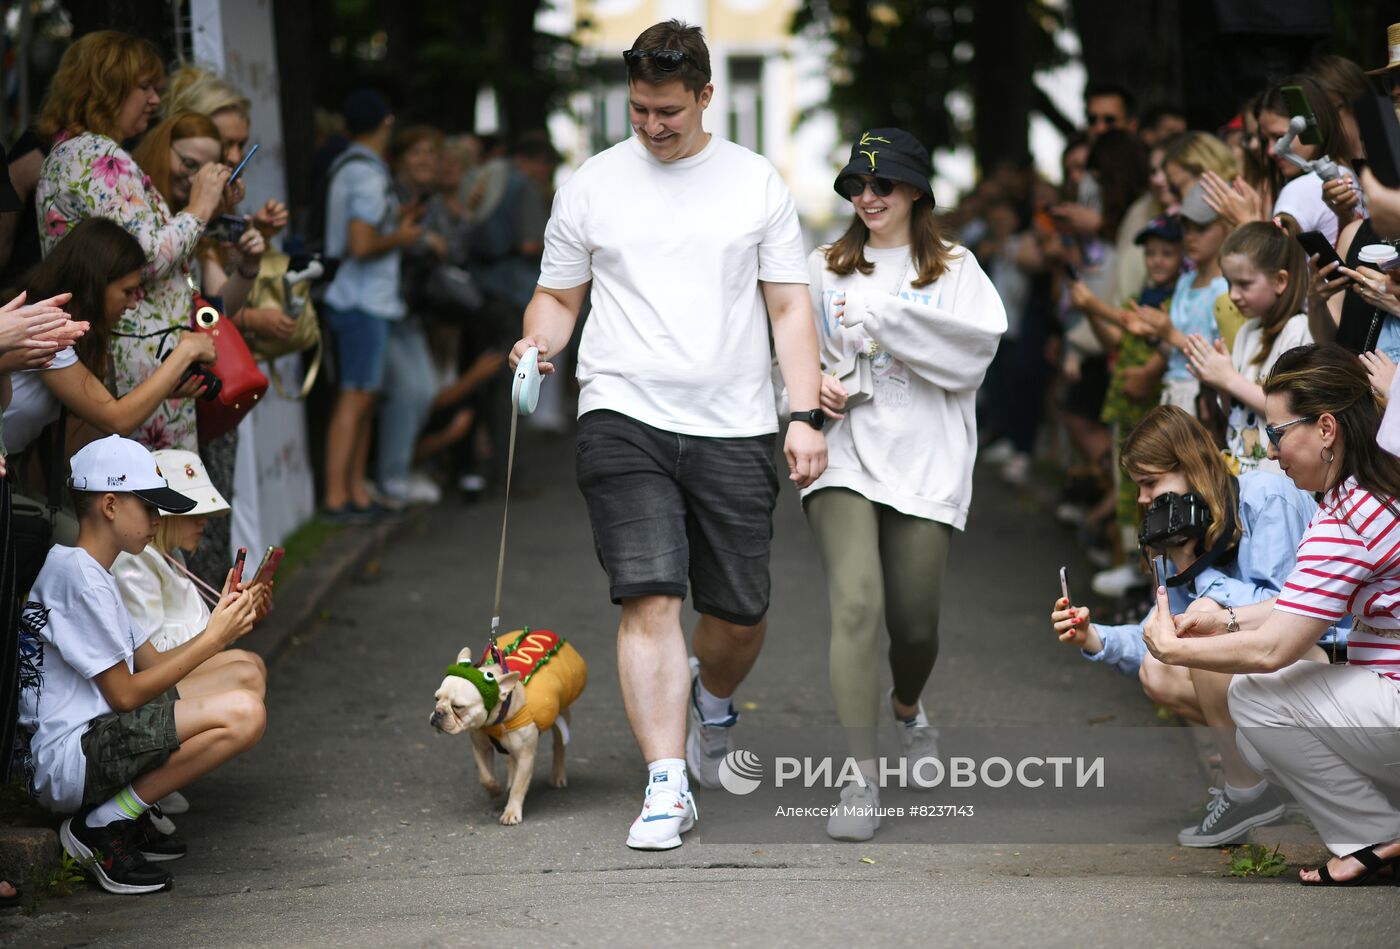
(1329, 734)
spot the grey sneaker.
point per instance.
(1229, 822)
(857, 816)
(917, 740)
(707, 743)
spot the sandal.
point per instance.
(13, 900)
(1368, 859)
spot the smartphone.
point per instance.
(226, 228)
(270, 562)
(1380, 133)
(239, 170)
(1297, 102)
(238, 566)
(1071, 273)
(1159, 571)
(1064, 585)
(1316, 244)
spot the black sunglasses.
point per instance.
(666, 60)
(853, 186)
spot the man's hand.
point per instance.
(517, 352)
(805, 450)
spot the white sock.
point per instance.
(712, 707)
(1245, 795)
(125, 805)
(668, 771)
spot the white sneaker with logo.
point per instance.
(917, 739)
(707, 743)
(667, 812)
(856, 817)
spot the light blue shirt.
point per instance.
(362, 190)
(1388, 340)
(1273, 516)
(1193, 312)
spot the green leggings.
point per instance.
(880, 564)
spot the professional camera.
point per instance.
(212, 383)
(1174, 519)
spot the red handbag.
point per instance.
(242, 382)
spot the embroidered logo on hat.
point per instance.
(865, 139)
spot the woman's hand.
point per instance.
(1072, 625)
(1235, 203)
(271, 218)
(1372, 286)
(234, 193)
(1381, 370)
(1159, 632)
(1210, 362)
(207, 190)
(1340, 195)
(31, 327)
(833, 397)
(196, 347)
(268, 322)
(251, 247)
(1325, 280)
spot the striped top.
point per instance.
(1349, 563)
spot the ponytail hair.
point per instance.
(1269, 250)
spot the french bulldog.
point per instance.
(499, 711)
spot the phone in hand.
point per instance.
(241, 165)
(238, 566)
(271, 560)
(1159, 572)
(1064, 584)
(1297, 102)
(226, 228)
(1316, 244)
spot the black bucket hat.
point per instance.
(889, 153)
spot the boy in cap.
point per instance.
(109, 729)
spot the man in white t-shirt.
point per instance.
(684, 240)
(108, 730)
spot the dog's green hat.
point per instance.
(484, 680)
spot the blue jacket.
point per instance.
(1273, 515)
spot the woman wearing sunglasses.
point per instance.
(1329, 734)
(907, 323)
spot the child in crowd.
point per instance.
(1135, 385)
(1266, 269)
(1193, 299)
(112, 723)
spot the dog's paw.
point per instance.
(559, 780)
(492, 787)
(511, 816)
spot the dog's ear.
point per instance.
(465, 655)
(508, 680)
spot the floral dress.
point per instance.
(90, 175)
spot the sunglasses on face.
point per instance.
(1275, 432)
(1109, 120)
(666, 60)
(853, 186)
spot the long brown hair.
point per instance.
(1270, 249)
(93, 254)
(92, 82)
(1168, 439)
(929, 249)
(153, 154)
(1323, 379)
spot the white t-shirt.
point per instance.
(1302, 198)
(162, 601)
(33, 406)
(678, 334)
(1244, 428)
(74, 627)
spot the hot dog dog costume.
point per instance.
(552, 674)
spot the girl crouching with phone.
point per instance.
(1245, 553)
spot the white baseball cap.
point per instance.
(184, 471)
(121, 465)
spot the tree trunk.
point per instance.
(1001, 82)
(1137, 45)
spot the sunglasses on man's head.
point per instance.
(853, 186)
(666, 60)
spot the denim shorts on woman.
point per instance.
(667, 508)
(361, 340)
(122, 746)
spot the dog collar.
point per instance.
(484, 680)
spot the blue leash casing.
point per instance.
(525, 390)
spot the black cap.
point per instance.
(889, 153)
(9, 200)
(364, 110)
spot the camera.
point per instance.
(226, 229)
(212, 383)
(1173, 519)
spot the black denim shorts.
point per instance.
(667, 508)
(122, 746)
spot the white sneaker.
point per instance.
(1117, 581)
(1016, 470)
(855, 817)
(410, 491)
(425, 487)
(1070, 514)
(666, 814)
(917, 740)
(998, 452)
(706, 743)
(174, 803)
(471, 483)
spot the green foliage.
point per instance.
(67, 877)
(1258, 861)
(894, 61)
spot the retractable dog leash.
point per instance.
(524, 396)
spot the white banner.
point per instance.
(272, 484)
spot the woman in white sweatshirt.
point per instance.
(908, 324)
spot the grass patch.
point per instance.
(1257, 861)
(303, 545)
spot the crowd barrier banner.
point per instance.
(273, 493)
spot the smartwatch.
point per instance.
(815, 418)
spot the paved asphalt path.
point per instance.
(353, 824)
